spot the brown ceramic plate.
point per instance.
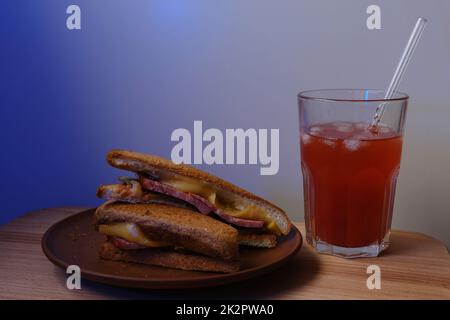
(73, 241)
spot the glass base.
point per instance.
(350, 253)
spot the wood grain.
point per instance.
(416, 266)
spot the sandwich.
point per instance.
(167, 236)
(159, 194)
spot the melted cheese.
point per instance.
(130, 232)
(250, 212)
(192, 186)
(253, 212)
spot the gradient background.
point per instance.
(139, 69)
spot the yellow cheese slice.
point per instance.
(130, 232)
(250, 212)
(192, 186)
(253, 212)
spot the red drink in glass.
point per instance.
(350, 175)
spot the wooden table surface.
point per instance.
(416, 266)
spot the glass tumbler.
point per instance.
(350, 168)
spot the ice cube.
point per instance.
(352, 144)
(385, 129)
(305, 138)
(315, 129)
(362, 126)
(365, 135)
(330, 143)
(344, 127)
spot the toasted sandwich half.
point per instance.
(168, 236)
(159, 180)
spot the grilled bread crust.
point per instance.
(178, 226)
(262, 240)
(145, 163)
(169, 259)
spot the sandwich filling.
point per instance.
(207, 199)
(131, 233)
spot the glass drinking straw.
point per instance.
(400, 71)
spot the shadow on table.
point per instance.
(297, 273)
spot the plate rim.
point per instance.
(167, 283)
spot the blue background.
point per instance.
(140, 69)
(134, 73)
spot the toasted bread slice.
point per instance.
(177, 226)
(263, 240)
(166, 258)
(144, 163)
